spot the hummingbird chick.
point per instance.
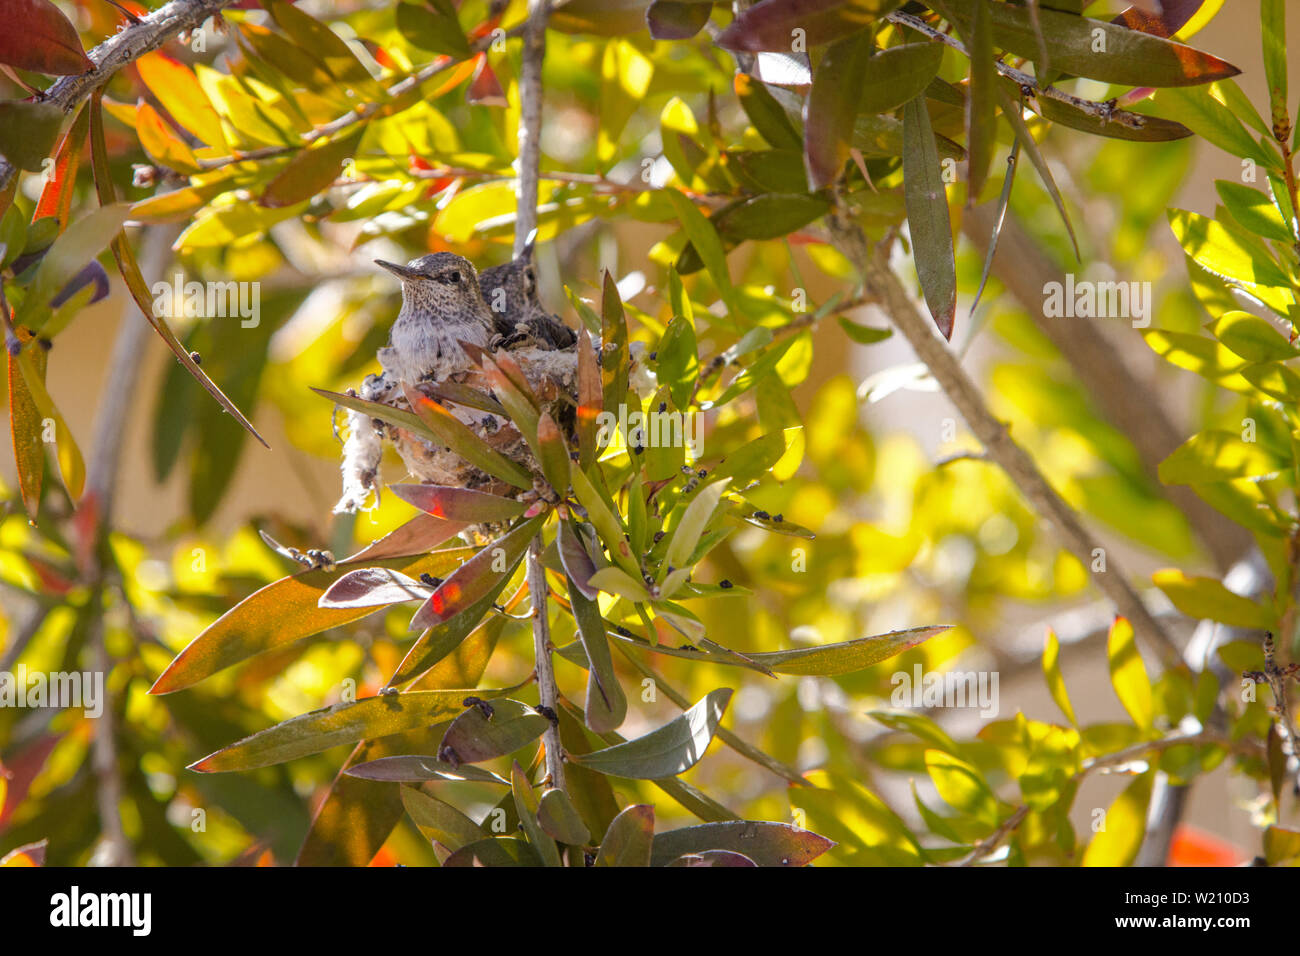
(510, 292)
(441, 307)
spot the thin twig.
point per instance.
(530, 155)
(1106, 112)
(122, 48)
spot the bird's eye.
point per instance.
(449, 278)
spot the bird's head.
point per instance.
(441, 283)
(512, 286)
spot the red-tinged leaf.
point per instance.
(667, 751)
(176, 87)
(454, 434)
(770, 24)
(927, 216)
(72, 468)
(831, 108)
(590, 401)
(630, 838)
(767, 844)
(416, 769)
(553, 454)
(477, 576)
(38, 37)
(27, 855)
(278, 614)
(135, 283)
(614, 344)
(357, 816)
(312, 171)
(727, 858)
(343, 723)
(459, 647)
(421, 534)
(373, 587)
(512, 390)
(1173, 16)
(675, 19)
(25, 427)
(485, 89)
(474, 737)
(56, 196)
(459, 504)
(1074, 43)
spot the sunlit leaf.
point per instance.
(1128, 675)
(671, 749)
(927, 216)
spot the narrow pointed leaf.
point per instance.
(606, 705)
(770, 25)
(440, 821)
(671, 749)
(454, 434)
(416, 769)
(1012, 112)
(767, 844)
(459, 504)
(831, 108)
(477, 576)
(526, 805)
(373, 587)
(927, 216)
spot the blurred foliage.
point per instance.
(286, 149)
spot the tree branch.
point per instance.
(530, 157)
(919, 330)
(1121, 395)
(1106, 112)
(125, 47)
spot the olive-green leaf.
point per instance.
(440, 821)
(667, 751)
(898, 74)
(558, 817)
(766, 843)
(474, 737)
(629, 839)
(927, 216)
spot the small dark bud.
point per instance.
(762, 515)
(659, 536)
(778, 518)
(196, 358)
(620, 630)
(549, 714)
(725, 584)
(430, 580)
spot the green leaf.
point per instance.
(1253, 338)
(863, 334)
(1153, 129)
(526, 804)
(1217, 456)
(687, 533)
(343, 723)
(704, 238)
(1055, 680)
(474, 737)
(417, 769)
(629, 839)
(280, 613)
(1223, 252)
(1201, 110)
(1253, 210)
(559, 819)
(766, 843)
(436, 31)
(1128, 675)
(614, 580)
(440, 821)
(82, 241)
(1096, 49)
(927, 216)
(770, 216)
(327, 46)
(677, 358)
(832, 106)
(676, 19)
(606, 705)
(607, 526)
(961, 786)
(494, 851)
(1124, 826)
(671, 749)
(1272, 28)
(766, 113)
(614, 344)
(1207, 599)
(892, 77)
(447, 429)
(28, 132)
(552, 453)
(1012, 112)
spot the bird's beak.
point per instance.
(527, 252)
(402, 272)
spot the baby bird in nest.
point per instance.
(443, 325)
